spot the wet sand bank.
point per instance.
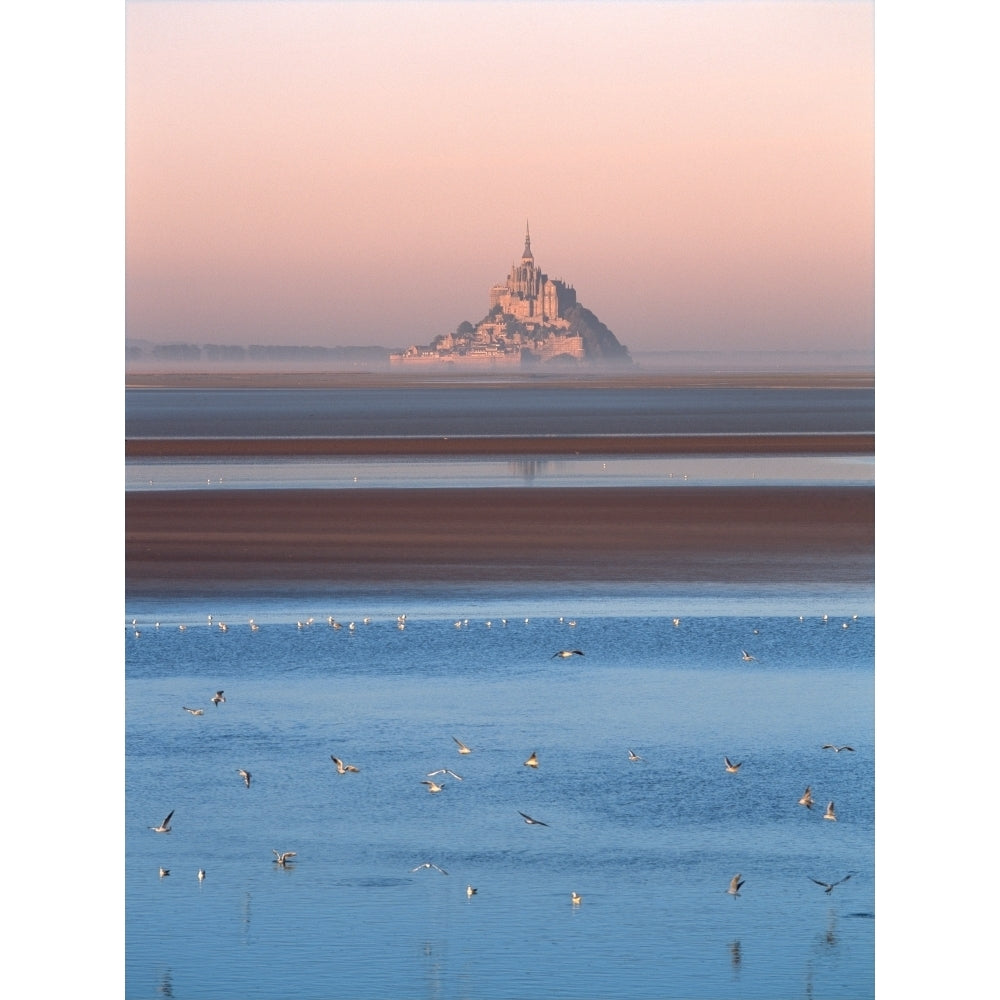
(185, 540)
(514, 447)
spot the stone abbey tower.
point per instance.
(529, 295)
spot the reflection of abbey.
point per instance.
(532, 318)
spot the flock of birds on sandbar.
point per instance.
(284, 859)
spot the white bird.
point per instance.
(164, 827)
(428, 864)
(343, 768)
(830, 814)
(748, 656)
(218, 698)
(164, 872)
(828, 886)
(469, 891)
(677, 622)
(731, 767)
(282, 857)
(807, 798)
(433, 786)
(194, 711)
(444, 770)
(735, 884)
(576, 898)
(633, 756)
(532, 761)
(830, 746)
(201, 874)
(245, 775)
(530, 821)
(462, 748)
(565, 654)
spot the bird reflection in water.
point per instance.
(736, 955)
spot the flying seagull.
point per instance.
(445, 770)
(433, 786)
(164, 827)
(747, 656)
(532, 761)
(428, 864)
(633, 756)
(576, 898)
(282, 857)
(565, 654)
(462, 748)
(530, 821)
(343, 768)
(830, 746)
(218, 698)
(807, 798)
(830, 814)
(194, 711)
(828, 886)
(245, 775)
(735, 884)
(731, 767)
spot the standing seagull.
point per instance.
(462, 748)
(530, 821)
(830, 746)
(428, 864)
(164, 827)
(565, 654)
(828, 886)
(343, 768)
(282, 857)
(470, 892)
(576, 898)
(807, 798)
(245, 775)
(731, 767)
(830, 814)
(218, 698)
(164, 872)
(735, 885)
(532, 761)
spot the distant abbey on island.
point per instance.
(532, 319)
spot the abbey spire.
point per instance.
(527, 255)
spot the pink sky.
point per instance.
(361, 173)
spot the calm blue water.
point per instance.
(651, 846)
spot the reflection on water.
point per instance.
(529, 468)
(736, 955)
(348, 473)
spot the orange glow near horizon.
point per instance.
(352, 173)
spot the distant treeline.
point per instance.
(140, 350)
